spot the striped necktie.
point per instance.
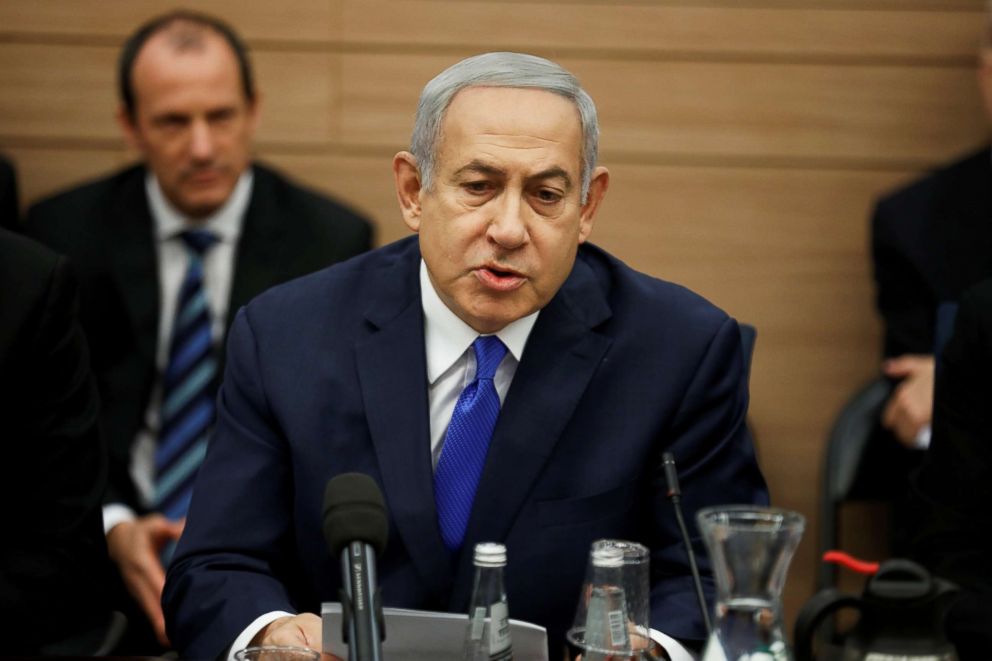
(466, 443)
(188, 387)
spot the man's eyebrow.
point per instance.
(479, 167)
(553, 173)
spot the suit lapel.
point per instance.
(131, 245)
(260, 247)
(561, 357)
(392, 370)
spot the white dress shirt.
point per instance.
(173, 259)
(451, 360)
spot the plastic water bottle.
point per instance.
(488, 635)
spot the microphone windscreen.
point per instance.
(354, 511)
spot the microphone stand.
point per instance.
(675, 495)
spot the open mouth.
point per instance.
(499, 279)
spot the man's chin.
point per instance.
(495, 317)
(199, 207)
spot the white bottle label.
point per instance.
(499, 629)
(618, 629)
(478, 623)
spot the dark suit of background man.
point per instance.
(190, 107)
(953, 489)
(9, 211)
(358, 368)
(53, 560)
(930, 241)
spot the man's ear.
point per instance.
(597, 191)
(408, 189)
(128, 128)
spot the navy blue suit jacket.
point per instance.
(327, 374)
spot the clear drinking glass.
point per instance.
(750, 548)
(277, 653)
(612, 618)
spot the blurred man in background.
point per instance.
(167, 251)
(953, 489)
(53, 561)
(930, 241)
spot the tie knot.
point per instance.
(199, 241)
(489, 352)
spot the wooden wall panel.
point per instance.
(701, 109)
(69, 92)
(43, 171)
(740, 30)
(57, 92)
(303, 20)
(796, 111)
(363, 182)
(892, 5)
(299, 97)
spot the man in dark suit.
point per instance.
(590, 369)
(930, 241)
(953, 489)
(167, 251)
(53, 561)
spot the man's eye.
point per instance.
(171, 122)
(219, 116)
(549, 196)
(477, 187)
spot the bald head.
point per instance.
(184, 31)
(191, 116)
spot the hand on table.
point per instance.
(303, 630)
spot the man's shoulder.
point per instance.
(24, 260)
(649, 300)
(977, 300)
(74, 216)
(84, 196)
(28, 270)
(917, 197)
(359, 278)
(303, 204)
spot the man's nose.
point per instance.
(508, 227)
(201, 141)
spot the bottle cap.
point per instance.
(490, 554)
(607, 557)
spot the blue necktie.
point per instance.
(467, 443)
(188, 388)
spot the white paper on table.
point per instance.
(413, 635)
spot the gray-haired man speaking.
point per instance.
(499, 377)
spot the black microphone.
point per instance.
(356, 528)
(674, 494)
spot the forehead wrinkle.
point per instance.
(481, 167)
(517, 137)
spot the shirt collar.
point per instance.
(447, 337)
(225, 223)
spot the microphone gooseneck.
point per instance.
(674, 494)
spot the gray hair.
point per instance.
(499, 70)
